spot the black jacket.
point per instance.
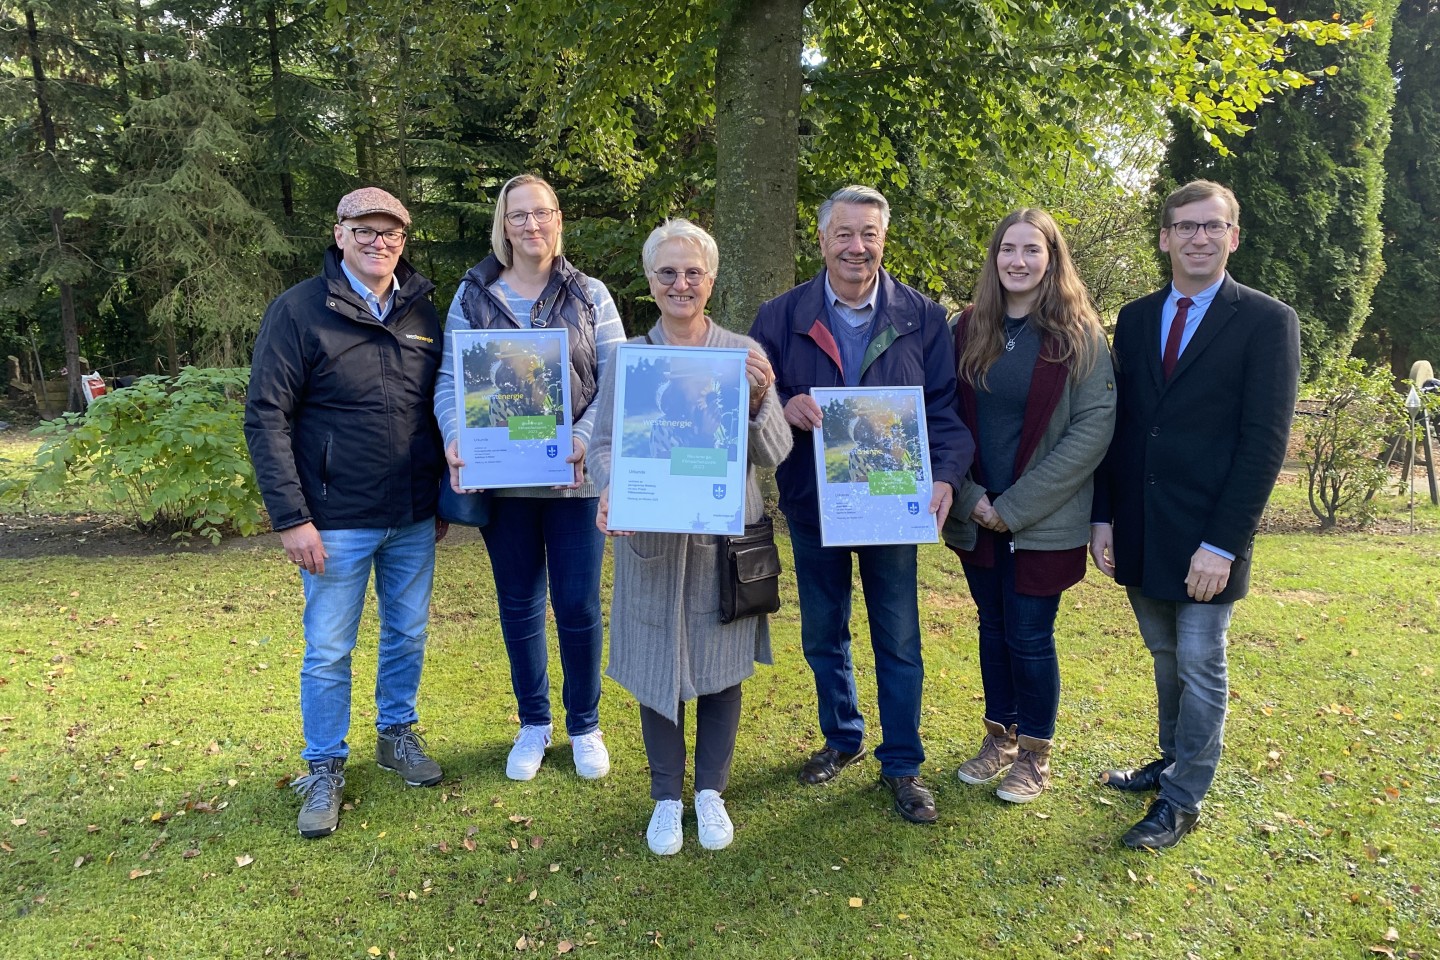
(339, 415)
(1194, 458)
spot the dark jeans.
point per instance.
(717, 722)
(527, 536)
(887, 574)
(1018, 665)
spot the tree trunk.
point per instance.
(69, 329)
(272, 35)
(757, 148)
(359, 128)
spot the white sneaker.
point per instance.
(529, 750)
(592, 760)
(664, 833)
(716, 831)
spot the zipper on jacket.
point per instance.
(325, 467)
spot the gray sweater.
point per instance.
(1048, 506)
(667, 644)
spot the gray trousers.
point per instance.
(1187, 643)
(717, 722)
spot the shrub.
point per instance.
(168, 453)
(1343, 443)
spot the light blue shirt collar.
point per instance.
(381, 311)
(854, 315)
(1201, 300)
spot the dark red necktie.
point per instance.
(1177, 330)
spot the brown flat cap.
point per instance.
(368, 200)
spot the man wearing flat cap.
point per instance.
(341, 428)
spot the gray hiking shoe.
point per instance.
(401, 749)
(322, 790)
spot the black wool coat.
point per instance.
(1194, 458)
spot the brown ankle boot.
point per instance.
(997, 752)
(1030, 774)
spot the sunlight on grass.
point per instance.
(150, 726)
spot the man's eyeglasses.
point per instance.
(365, 236)
(517, 218)
(1214, 229)
(668, 275)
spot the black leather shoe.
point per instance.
(1164, 826)
(823, 765)
(1138, 780)
(912, 800)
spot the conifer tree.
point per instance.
(1310, 182)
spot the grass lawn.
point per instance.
(149, 726)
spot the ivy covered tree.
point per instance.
(1310, 180)
(1404, 323)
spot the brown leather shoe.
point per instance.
(912, 800)
(997, 751)
(1137, 780)
(1030, 774)
(1164, 825)
(823, 765)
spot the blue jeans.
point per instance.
(1018, 665)
(887, 574)
(404, 562)
(527, 536)
(1187, 643)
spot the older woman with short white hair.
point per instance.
(667, 644)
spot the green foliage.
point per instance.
(1355, 415)
(1310, 181)
(1404, 324)
(168, 453)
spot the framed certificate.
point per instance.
(512, 393)
(872, 466)
(678, 449)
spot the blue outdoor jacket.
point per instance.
(911, 347)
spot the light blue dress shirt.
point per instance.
(1200, 303)
(381, 310)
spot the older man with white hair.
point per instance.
(854, 325)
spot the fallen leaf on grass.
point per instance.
(857, 902)
(1391, 935)
(554, 868)
(191, 854)
(244, 860)
(564, 946)
(373, 951)
(137, 874)
(536, 843)
(516, 818)
(468, 844)
(444, 847)
(524, 943)
(18, 822)
(1382, 950)
(533, 895)
(1392, 793)
(514, 844)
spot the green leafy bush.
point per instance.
(1343, 443)
(168, 453)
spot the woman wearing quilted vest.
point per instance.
(538, 536)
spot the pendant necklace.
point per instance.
(1010, 342)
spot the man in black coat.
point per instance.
(340, 422)
(1206, 377)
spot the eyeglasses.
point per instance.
(668, 275)
(365, 236)
(517, 218)
(1214, 229)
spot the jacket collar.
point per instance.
(900, 312)
(413, 286)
